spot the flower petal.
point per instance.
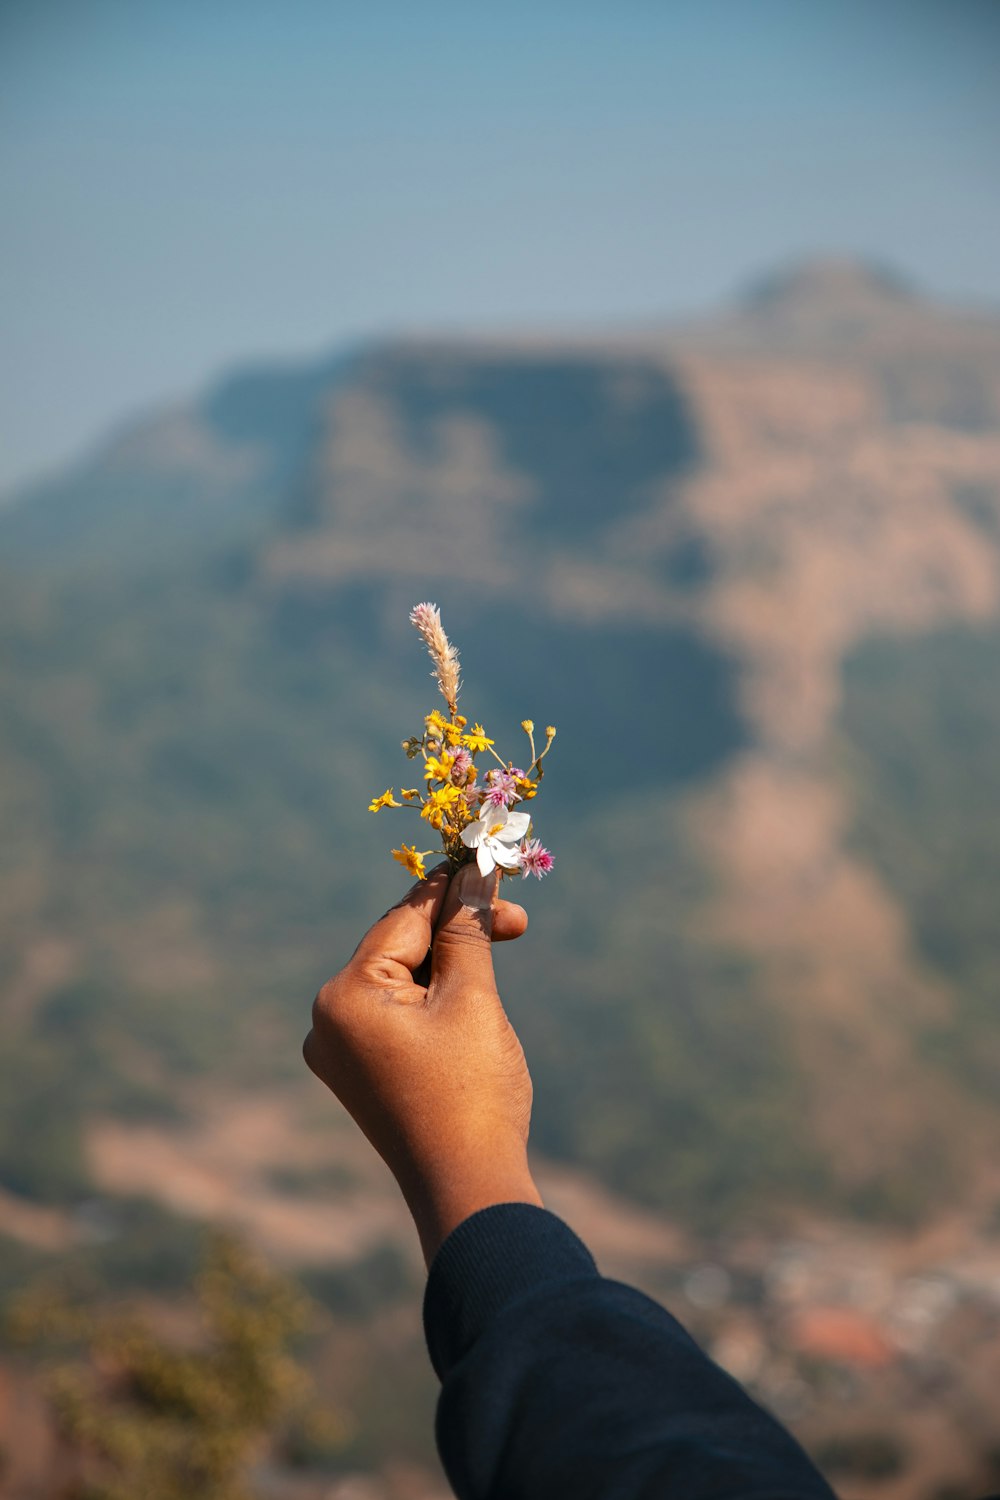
(473, 834)
(484, 858)
(509, 858)
(516, 826)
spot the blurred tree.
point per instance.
(142, 1415)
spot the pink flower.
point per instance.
(460, 767)
(535, 860)
(501, 787)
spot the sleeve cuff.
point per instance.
(497, 1256)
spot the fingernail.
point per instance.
(475, 890)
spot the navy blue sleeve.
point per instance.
(557, 1382)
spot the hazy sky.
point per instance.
(198, 182)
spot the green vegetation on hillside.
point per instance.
(187, 767)
(921, 720)
(656, 1062)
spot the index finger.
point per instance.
(404, 934)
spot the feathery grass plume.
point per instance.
(427, 619)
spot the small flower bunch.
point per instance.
(474, 814)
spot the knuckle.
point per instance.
(343, 1003)
(326, 1004)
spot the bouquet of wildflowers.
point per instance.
(476, 813)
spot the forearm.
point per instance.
(556, 1381)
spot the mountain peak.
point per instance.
(830, 285)
(828, 307)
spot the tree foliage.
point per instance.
(143, 1415)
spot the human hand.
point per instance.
(413, 1040)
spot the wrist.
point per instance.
(461, 1187)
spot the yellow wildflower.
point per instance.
(526, 788)
(438, 767)
(445, 797)
(408, 793)
(446, 730)
(476, 739)
(528, 725)
(386, 800)
(437, 806)
(409, 858)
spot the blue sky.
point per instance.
(200, 182)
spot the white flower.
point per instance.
(492, 835)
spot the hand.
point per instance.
(413, 1040)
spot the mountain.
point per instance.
(750, 567)
(192, 474)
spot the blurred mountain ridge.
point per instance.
(738, 563)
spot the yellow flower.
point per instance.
(386, 800)
(408, 793)
(411, 860)
(526, 787)
(436, 808)
(438, 767)
(446, 730)
(476, 739)
(528, 725)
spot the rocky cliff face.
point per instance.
(679, 541)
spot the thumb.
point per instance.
(404, 934)
(461, 956)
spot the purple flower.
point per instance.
(535, 860)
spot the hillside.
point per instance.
(749, 566)
(675, 547)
